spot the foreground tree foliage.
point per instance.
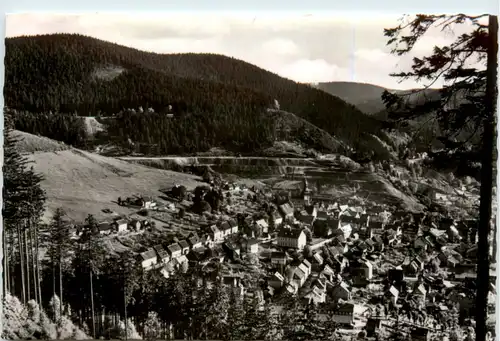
(458, 107)
(465, 110)
(23, 206)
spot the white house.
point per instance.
(292, 238)
(252, 246)
(262, 225)
(393, 294)
(148, 203)
(121, 225)
(299, 277)
(148, 259)
(304, 269)
(346, 229)
(174, 250)
(215, 233)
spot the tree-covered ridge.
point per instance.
(58, 72)
(243, 130)
(69, 129)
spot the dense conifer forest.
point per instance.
(216, 100)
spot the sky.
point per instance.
(309, 48)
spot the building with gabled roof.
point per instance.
(341, 291)
(315, 296)
(184, 245)
(276, 281)
(279, 258)
(262, 225)
(163, 256)
(216, 234)
(148, 259)
(292, 238)
(194, 242)
(225, 228)
(286, 211)
(393, 295)
(174, 250)
(299, 277)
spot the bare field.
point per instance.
(85, 183)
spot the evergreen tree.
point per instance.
(59, 246)
(23, 206)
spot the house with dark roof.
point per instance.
(355, 222)
(184, 245)
(225, 228)
(341, 291)
(420, 334)
(194, 242)
(196, 255)
(148, 259)
(305, 218)
(291, 238)
(279, 258)
(276, 281)
(105, 228)
(344, 314)
(163, 256)
(174, 250)
(232, 250)
(324, 227)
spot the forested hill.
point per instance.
(366, 97)
(74, 73)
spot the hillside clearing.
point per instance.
(84, 183)
(29, 143)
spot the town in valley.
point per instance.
(170, 195)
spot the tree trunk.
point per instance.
(21, 261)
(12, 243)
(6, 261)
(483, 263)
(92, 303)
(33, 267)
(53, 278)
(125, 307)
(26, 252)
(38, 266)
(60, 287)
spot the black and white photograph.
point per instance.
(249, 176)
